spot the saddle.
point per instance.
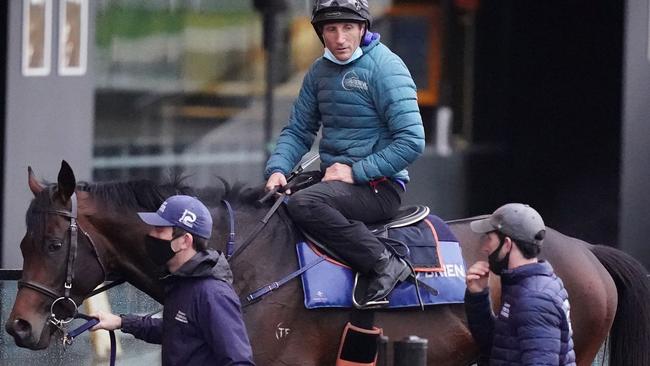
(328, 281)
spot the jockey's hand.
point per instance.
(477, 277)
(276, 180)
(338, 171)
(107, 321)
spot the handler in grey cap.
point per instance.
(533, 324)
(516, 220)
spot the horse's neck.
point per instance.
(117, 241)
(271, 253)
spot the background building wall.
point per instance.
(47, 119)
(548, 94)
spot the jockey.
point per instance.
(363, 97)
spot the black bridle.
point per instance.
(69, 277)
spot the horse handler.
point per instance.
(202, 322)
(533, 326)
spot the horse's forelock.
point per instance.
(35, 216)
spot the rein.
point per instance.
(69, 278)
(230, 254)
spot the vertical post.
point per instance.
(270, 46)
(445, 114)
(269, 10)
(411, 351)
(382, 351)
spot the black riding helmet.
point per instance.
(329, 11)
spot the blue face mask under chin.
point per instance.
(330, 56)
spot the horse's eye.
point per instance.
(54, 245)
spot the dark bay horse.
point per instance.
(608, 290)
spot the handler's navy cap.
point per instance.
(516, 220)
(185, 212)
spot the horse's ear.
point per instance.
(34, 185)
(66, 180)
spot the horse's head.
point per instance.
(60, 265)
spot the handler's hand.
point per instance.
(276, 179)
(477, 277)
(107, 321)
(338, 171)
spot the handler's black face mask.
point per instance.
(159, 250)
(497, 266)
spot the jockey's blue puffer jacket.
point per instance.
(369, 113)
(532, 327)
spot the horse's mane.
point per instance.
(149, 195)
(144, 195)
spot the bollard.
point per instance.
(411, 351)
(382, 351)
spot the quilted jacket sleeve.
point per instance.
(143, 327)
(395, 98)
(297, 137)
(480, 320)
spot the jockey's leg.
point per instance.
(335, 212)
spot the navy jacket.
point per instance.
(202, 322)
(369, 114)
(533, 326)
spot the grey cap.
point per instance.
(516, 220)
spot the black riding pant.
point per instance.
(335, 213)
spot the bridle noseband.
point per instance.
(72, 255)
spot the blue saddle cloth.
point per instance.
(329, 285)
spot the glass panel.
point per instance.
(180, 85)
(123, 299)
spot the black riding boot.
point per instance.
(387, 272)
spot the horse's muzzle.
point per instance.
(23, 335)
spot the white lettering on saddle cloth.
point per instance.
(450, 270)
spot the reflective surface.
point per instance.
(180, 85)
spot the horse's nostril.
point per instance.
(22, 328)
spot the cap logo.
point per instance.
(188, 218)
(162, 207)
